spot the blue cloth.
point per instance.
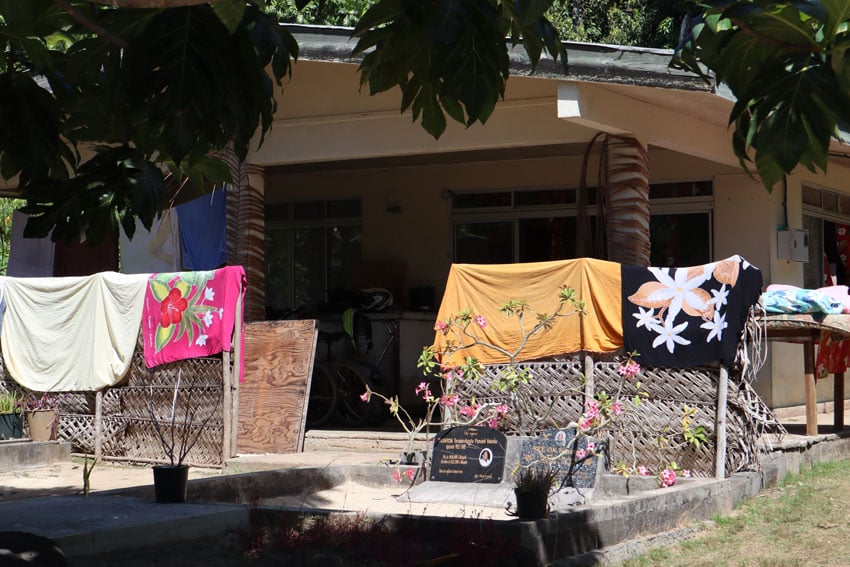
(800, 301)
(203, 231)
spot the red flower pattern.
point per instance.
(172, 308)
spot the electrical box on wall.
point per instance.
(793, 245)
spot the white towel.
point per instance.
(71, 334)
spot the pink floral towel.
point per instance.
(191, 314)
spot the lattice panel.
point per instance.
(79, 430)
(126, 427)
(78, 402)
(141, 442)
(201, 402)
(558, 387)
(199, 371)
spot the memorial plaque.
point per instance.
(575, 458)
(469, 454)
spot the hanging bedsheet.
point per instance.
(71, 334)
(484, 288)
(190, 314)
(676, 317)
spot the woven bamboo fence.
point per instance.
(123, 429)
(558, 391)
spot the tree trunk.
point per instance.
(246, 237)
(626, 190)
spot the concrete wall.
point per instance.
(420, 233)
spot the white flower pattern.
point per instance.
(715, 326)
(679, 298)
(670, 335)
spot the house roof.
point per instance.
(587, 62)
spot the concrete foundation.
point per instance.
(22, 454)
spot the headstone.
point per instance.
(469, 454)
(577, 460)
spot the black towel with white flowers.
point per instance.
(688, 317)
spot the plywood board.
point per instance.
(273, 398)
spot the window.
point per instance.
(826, 215)
(311, 248)
(540, 225)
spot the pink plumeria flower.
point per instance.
(617, 408)
(410, 474)
(365, 396)
(396, 476)
(482, 322)
(502, 409)
(591, 447)
(668, 477)
(584, 423)
(686, 473)
(580, 454)
(441, 326)
(643, 471)
(492, 423)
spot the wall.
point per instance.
(420, 233)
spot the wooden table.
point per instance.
(808, 329)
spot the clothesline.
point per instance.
(80, 333)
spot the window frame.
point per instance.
(515, 213)
(325, 223)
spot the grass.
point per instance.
(803, 521)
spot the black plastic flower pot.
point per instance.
(169, 483)
(532, 504)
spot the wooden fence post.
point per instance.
(98, 425)
(720, 423)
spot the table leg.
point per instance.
(811, 388)
(838, 400)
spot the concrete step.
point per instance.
(21, 454)
(356, 441)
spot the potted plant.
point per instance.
(532, 486)
(42, 414)
(177, 434)
(11, 425)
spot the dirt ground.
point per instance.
(67, 478)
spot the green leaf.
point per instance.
(230, 12)
(163, 336)
(159, 290)
(383, 12)
(837, 13)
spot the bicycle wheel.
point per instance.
(324, 395)
(352, 379)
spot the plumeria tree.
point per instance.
(459, 337)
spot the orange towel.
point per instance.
(485, 288)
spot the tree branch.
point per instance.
(98, 30)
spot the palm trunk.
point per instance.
(246, 237)
(626, 192)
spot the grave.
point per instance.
(463, 472)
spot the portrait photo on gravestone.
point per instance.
(577, 459)
(469, 454)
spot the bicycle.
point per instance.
(336, 387)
